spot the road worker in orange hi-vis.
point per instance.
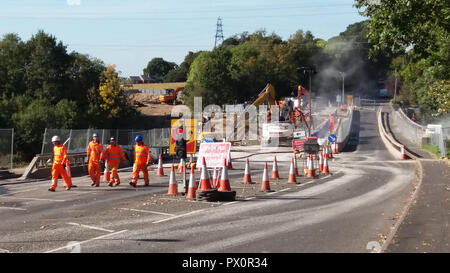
(142, 159)
(60, 160)
(95, 154)
(113, 154)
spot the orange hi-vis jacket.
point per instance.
(95, 151)
(60, 155)
(141, 154)
(113, 154)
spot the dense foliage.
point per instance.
(44, 86)
(420, 31)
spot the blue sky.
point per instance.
(130, 33)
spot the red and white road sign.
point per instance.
(297, 144)
(214, 153)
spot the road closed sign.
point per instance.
(214, 153)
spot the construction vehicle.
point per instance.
(171, 97)
(294, 121)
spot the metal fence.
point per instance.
(415, 132)
(78, 139)
(6, 148)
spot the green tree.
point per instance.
(111, 92)
(180, 74)
(158, 67)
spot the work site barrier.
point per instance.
(78, 139)
(344, 129)
(6, 148)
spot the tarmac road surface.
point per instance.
(344, 212)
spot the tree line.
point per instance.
(44, 86)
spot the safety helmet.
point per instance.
(94, 135)
(138, 138)
(112, 139)
(55, 138)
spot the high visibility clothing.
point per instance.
(141, 158)
(95, 151)
(141, 154)
(95, 171)
(136, 170)
(60, 158)
(112, 155)
(95, 154)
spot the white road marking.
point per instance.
(91, 227)
(226, 204)
(149, 211)
(250, 198)
(284, 190)
(87, 241)
(178, 216)
(2, 250)
(12, 208)
(33, 199)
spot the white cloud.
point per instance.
(73, 2)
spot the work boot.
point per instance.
(51, 189)
(97, 185)
(117, 184)
(93, 184)
(132, 184)
(146, 185)
(110, 184)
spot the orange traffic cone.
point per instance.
(275, 174)
(224, 181)
(402, 151)
(247, 174)
(181, 166)
(291, 178)
(205, 182)
(295, 165)
(107, 173)
(265, 185)
(160, 170)
(192, 185)
(173, 187)
(336, 145)
(215, 179)
(311, 171)
(230, 166)
(325, 166)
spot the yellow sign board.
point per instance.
(191, 132)
(349, 99)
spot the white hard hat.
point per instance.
(55, 138)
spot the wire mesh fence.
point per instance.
(6, 148)
(76, 140)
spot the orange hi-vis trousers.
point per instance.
(138, 168)
(114, 166)
(95, 171)
(58, 170)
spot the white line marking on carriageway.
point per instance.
(178, 216)
(87, 241)
(33, 199)
(91, 227)
(149, 211)
(12, 208)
